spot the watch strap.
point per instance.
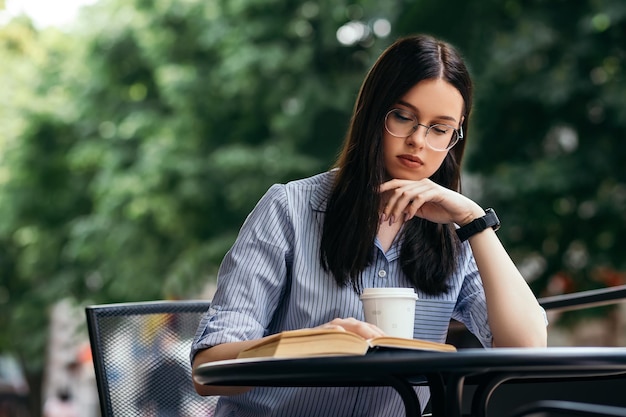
(490, 219)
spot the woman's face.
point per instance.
(432, 101)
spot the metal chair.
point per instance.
(565, 302)
(141, 358)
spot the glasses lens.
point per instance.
(442, 137)
(400, 123)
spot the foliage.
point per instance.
(147, 134)
(564, 151)
(546, 144)
(134, 145)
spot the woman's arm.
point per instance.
(514, 315)
(231, 350)
(218, 353)
(253, 271)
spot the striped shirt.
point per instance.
(271, 280)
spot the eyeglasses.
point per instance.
(440, 137)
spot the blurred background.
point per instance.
(136, 135)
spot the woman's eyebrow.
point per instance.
(416, 111)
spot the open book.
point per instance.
(331, 342)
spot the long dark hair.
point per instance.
(429, 251)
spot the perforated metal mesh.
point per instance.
(141, 355)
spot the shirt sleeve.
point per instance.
(471, 305)
(253, 276)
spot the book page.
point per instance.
(417, 344)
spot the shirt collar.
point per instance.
(319, 198)
(394, 251)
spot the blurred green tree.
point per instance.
(36, 195)
(551, 122)
(138, 142)
(546, 144)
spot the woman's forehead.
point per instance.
(434, 98)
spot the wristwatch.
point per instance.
(478, 225)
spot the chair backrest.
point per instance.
(141, 358)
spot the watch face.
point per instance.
(492, 219)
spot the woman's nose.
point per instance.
(418, 137)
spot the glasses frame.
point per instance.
(459, 131)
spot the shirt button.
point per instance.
(382, 273)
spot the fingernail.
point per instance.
(381, 218)
(407, 217)
(392, 219)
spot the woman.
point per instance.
(386, 216)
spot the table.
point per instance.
(444, 372)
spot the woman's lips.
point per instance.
(410, 161)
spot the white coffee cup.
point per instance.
(390, 309)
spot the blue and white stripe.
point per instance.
(271, 280)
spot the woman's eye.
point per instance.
(439, 129)
(401, 117)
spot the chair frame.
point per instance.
(94, 312)
(564, 302)
(572, 408)
(581, 300)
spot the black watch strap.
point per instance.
(490, 219)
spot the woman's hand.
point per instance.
(363, 329)
(515, 318)
(428, 200)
